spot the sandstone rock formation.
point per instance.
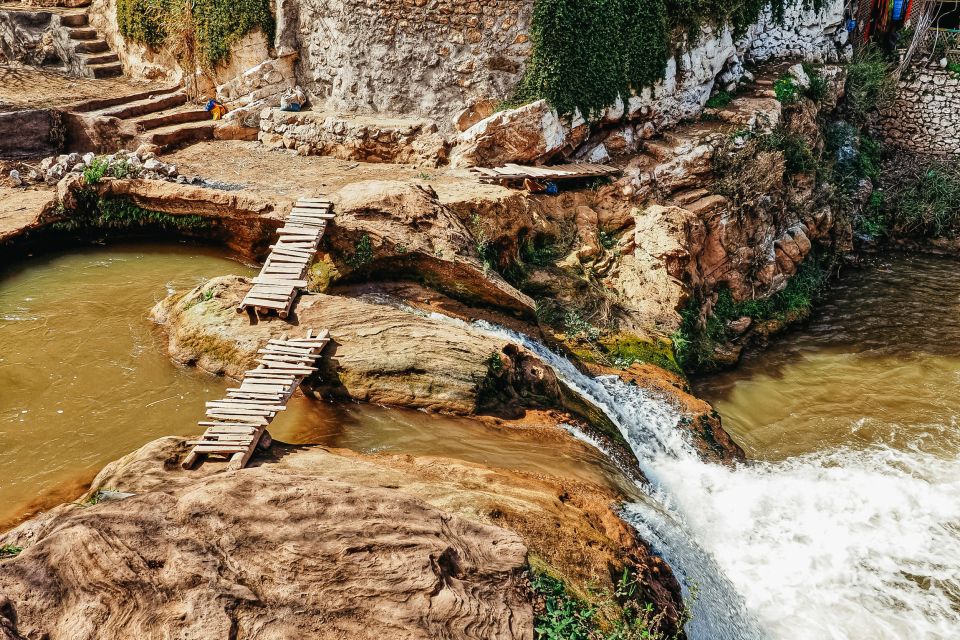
(291, 551)
(380, 353)
(316, 543)
(391, 230)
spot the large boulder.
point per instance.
(380, 353)
(531, 134)
(277, 551)
(395, 230)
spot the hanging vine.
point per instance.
(214, 25)
(587, 53)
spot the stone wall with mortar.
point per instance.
(421, 58)
(925, 117)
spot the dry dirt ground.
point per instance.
(23, 87)
(20, 207)
(287, 174)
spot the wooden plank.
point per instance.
(220, 449)
(280, 281)
(261, 421)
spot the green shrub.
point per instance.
(214, 24)
(872, 221)
(95, 172)
(694, 343)
(929, 204)
(121, 213)
(362, 253)
(818, 84)
(798, 157)
(719, 100)
(786, 90)
(586, 53)
(220, 23)
(870, 84)
(145, 21)
(620, 614)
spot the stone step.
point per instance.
(662, 151)
(91, 46)
(100, 58)
(85, 33)
(151, 104)
(109, 70)
(168, 118)
(74, 20)
(100, 104)
(179, 134)
(683, 198)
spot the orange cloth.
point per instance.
(218, 111)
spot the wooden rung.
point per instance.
(220, 448)
(233, 429)
(280, 281)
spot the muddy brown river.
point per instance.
(85, 379)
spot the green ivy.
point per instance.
(216, 24)
(587, 53)
(145, 20)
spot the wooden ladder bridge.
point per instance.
(282, 275)
(237, 424)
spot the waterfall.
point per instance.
(845, 544)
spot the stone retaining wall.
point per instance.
(30, 133)
(925, 116)
(363, 139)
(423, 58)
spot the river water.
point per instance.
(846, 524)
(85, 379)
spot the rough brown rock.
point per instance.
(277, 551)
(379, 354)
(391, 230)
(530, 134)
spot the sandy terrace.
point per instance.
(289, 175)
(23, 87)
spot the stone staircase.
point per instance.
(165, 118)
(84, 49)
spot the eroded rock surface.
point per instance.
(379, 354)
(390, 230)
(278, 551)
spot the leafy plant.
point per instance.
(719, 100)
(695, 342)
(870, 84)
(617, 614)
(818, 84)
(9, 551)
(121, 213)
(362, 253)
(786, 90)
(95, 172)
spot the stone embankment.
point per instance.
(925, 116)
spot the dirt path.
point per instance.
(289, 175)
(23, 87)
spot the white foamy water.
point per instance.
(848, 544)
